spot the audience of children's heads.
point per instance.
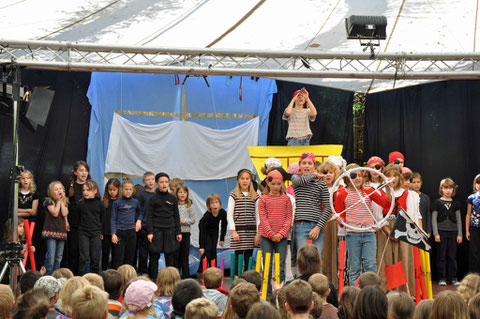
(185, 291)
(112, 282)
(128, 273)
(183, 195)
(201, 308)
(317, 308)
(469, 286)
(447, 187)
(167, 278)
(212, 278)
(346, 304)
(73, 284)
(243, 297)
(6, 301)
(214, 203)
(34, 304)
(400, 306)
(474, 307)
(370, 303)
(28, 280)
(89, 302)
(308, 260)
(424, 309)
(449, 304)
(320, 284)
(94, 280)
(369, 279)
(298, 297)
(262, 311)
(51, 285)
(252, 277)
(62, 273)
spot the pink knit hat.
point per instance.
(406, 170)
(294, 168)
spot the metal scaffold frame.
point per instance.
(70, 56)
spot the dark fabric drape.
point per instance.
(333, 124)
(51, 151)
(434, 126)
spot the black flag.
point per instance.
(405, 229)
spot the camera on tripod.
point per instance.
(13, 251)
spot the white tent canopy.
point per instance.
(310, 25)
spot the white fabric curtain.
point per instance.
(181, 149)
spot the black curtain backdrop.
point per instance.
(334, 122)
(51, 151)
(434, 126)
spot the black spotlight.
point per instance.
(367, 28)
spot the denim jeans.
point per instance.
(362, 254)
(301, 235)
(297, 142)
(54, 254)
(269, 246)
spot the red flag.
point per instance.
(395, 275)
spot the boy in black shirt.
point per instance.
(208, 226)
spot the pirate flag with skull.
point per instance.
(405, 229)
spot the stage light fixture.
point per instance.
(368, 29)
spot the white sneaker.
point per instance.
(455, 282)
(442, 282)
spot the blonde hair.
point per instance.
(320, 284)
(146, 174)
(6, 301)
(449, 305)
(167, 278)
(51, 198)
(212, 278)
(252, 194)
(469, 287)
(474, 306)
(73, 284)
(201, 308)
(329, 167)
(347, 179)
(184, 187)
(89, 302)
(128, 273)
(95, 280)
(175, 182)
(62, 273)
(33, 186)
(211, 198)
(447, 182)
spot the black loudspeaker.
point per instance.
(366, 27)
(37, 109)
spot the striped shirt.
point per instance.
(298, 125)
(358, 214)
(275, 215)
(114, 308)
(312, 199)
